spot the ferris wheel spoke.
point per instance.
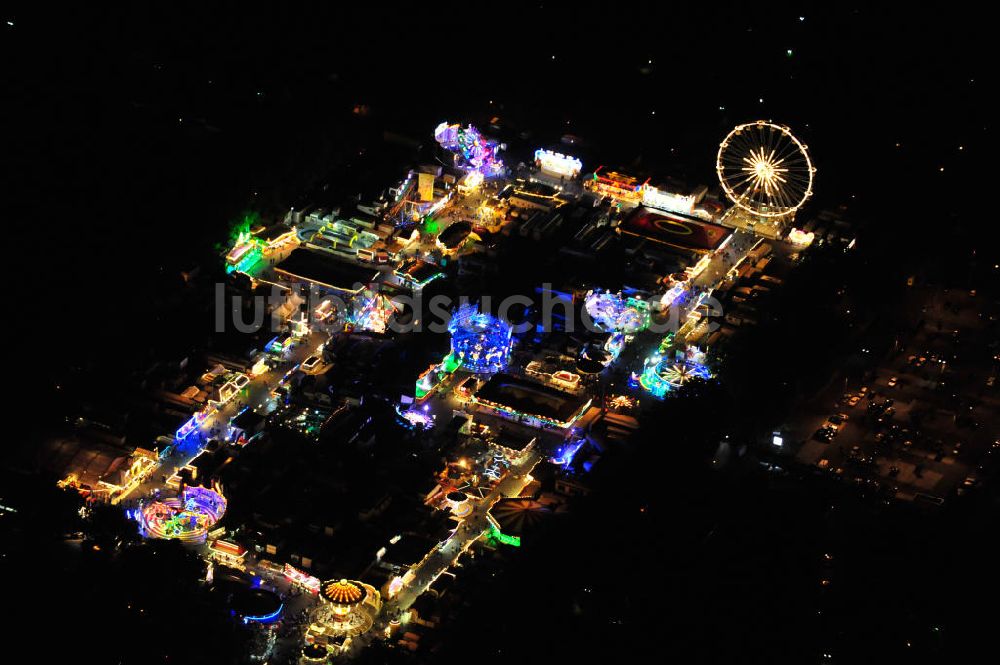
(789, 149)
(743, 182)
(743, 173)
(784, 158)
(795, 194)
(783, 198)
(769, 139)
(776, 196)
(798, 179)
(799, 186)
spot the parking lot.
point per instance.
(926, 419)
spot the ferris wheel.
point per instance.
(764, 169)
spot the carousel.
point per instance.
(663, 373)
(347, 608)
(187, 517)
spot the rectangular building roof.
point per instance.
(418, 270)
(323, 270)
(531, 398)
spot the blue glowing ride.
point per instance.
(481, 342)
(663, 373)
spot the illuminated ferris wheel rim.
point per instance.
(764, 170)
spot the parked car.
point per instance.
(824, 434)
(310, 363)
(836, 422)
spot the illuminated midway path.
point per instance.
(258, 391)
(713, 275)
(443, 556)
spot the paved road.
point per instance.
(255, 395)
(741, 242)
(444, 555)
(712, 276)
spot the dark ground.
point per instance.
(135, 137)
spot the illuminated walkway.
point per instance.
(258, 391)
(443, 556)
